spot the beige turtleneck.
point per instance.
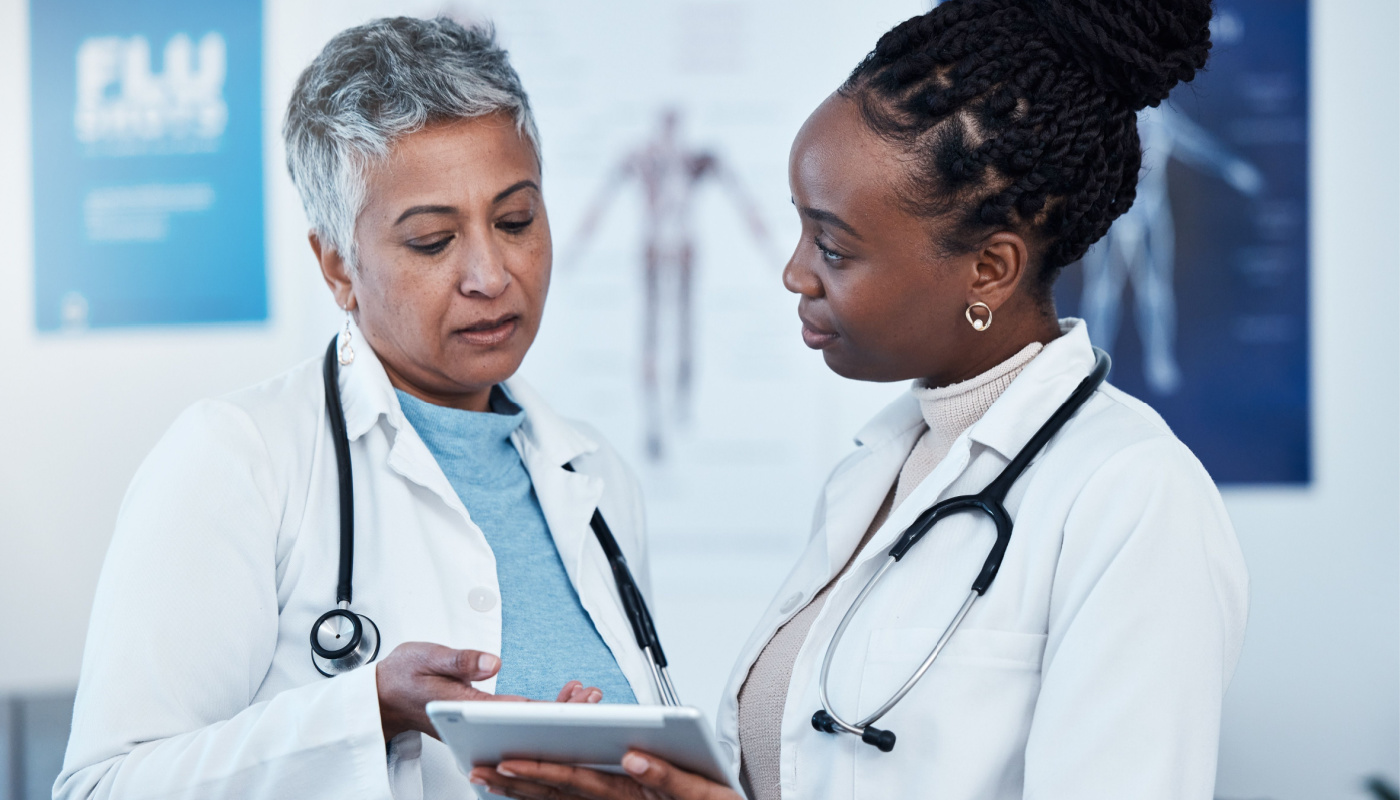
(947, 412)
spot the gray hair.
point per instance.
(379, 81)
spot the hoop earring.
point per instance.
(344, 352)
(979, 325)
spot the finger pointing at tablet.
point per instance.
(416, 673)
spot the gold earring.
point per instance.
(344, 352)
(979, 325)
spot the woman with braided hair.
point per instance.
(979, 149)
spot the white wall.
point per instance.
(1316, 698)
(1315, 703)
(82, 411)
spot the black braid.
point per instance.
(1021, 114)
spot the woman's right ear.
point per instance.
(333, 270)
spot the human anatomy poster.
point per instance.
(1200, 292)
(148, 177)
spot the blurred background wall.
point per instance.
(732, 466)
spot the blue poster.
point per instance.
(1200, 291)
(148, 178)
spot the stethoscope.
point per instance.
(342, 640)
(990, 502)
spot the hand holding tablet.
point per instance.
(563, 745)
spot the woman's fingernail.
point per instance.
(635, 764)
(487, 662)
(478, 781)
(594, 696)
(506, 772)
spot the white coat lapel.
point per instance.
(367, 395)
(855, 492)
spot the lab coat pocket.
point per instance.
(961, 731)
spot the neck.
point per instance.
(467, 400)
(982, 353)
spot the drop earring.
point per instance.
(979, 324)
(344, 352)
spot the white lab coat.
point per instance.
(1095, 665)
(197, 678)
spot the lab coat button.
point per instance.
(791, 603)
(482, 599)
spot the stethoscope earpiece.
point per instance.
(882, 740)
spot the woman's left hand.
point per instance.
(647, 778)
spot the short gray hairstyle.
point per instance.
(379, 81)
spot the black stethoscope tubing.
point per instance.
(989, 501)
(360, 634)
(362, 644)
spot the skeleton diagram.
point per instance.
(669, 176)
(1140, 248)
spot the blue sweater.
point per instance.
(547, 638)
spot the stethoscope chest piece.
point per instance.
(342, 640)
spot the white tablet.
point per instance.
(598, 736)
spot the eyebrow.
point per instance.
(513, 188)
(501, 195)
(425, 210)
(822, 215)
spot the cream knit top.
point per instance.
(947, 412)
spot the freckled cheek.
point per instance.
(419, 305)
(533, 274)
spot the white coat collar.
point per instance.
(1045, 383)
(854, 493)
(367, 394)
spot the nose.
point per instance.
(799, 279)
(484, 272)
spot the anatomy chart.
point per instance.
(1200, 291)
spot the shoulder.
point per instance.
(1117, 438)
(1140, 497)
(1119, 441)
(283, 404)
(255, 434)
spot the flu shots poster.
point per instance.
(148, 182)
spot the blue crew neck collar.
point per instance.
(455, 430)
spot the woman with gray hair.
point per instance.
(407, 466)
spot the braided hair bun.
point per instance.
(1022, 114)
(1136, 49)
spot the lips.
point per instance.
(486, 333)
(815, 336)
